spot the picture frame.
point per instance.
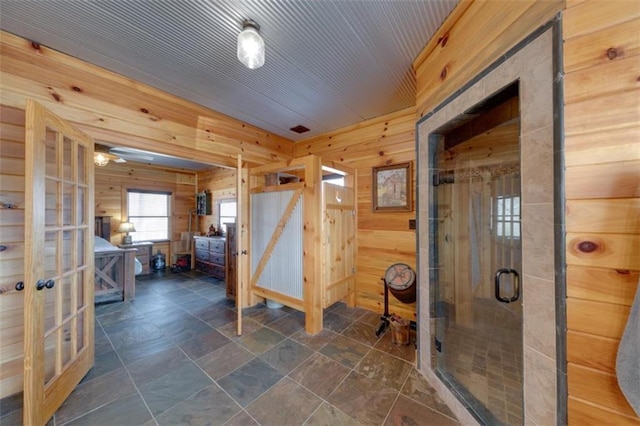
(391, 188)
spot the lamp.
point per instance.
(126, 227)
(250, 45)
(100, 159)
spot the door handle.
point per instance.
(42, 284)
(516, 285)
(19, 287)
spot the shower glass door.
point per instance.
(477, 248)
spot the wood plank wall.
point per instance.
(474, 36)
(114, 110)
(602, 156)
(120, 111)
(383, 238)
(444, 65)
(221, 183)
(602, 116)
(113, 181)
(12, 152)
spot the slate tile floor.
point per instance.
(171, 357)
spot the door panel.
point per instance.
(59, 312)
(477, 247)
(240, 259)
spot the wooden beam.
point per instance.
(312, 244)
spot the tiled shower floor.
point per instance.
(171, 357)
(486, 359)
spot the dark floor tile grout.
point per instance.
(419, 402)
(218, 385)
(78, 417)
(395, 401)
(350, 318)
(126, 368)
(324, 400)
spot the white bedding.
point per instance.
(100, 244)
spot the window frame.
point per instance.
(512, 221)
(220, 222)
(170, 203)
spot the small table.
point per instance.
(143, 255)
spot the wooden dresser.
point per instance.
(211, 256)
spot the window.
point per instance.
(333, 176)
(149, 211)
(333, 179)
(227, 214)
(508, 217)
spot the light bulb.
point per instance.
(100, 159)
(250, 47)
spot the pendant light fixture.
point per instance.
(102, 156)
(250, 45)
(100, 159)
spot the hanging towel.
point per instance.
(628, 362)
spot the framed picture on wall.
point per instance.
(391, 188)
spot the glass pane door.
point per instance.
(477, 247)
(58, 313)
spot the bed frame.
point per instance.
(114, 271)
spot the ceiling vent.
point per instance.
(299, 129)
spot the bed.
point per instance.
(115, 271)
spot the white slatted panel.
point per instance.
(283, 272)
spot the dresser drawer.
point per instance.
(202, 243)
(202, 254)
(143, 257)
(211, 269)
(216, 246)
(216, 258)
(203, 266)
(143, 254)
(217, 271)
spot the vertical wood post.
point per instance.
(240, 246)
(312, 244)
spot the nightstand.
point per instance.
(143, 255)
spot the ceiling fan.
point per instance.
(120, 154)
(103, 154)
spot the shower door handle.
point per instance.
(516, 285)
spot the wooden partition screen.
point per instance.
(315, 235)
